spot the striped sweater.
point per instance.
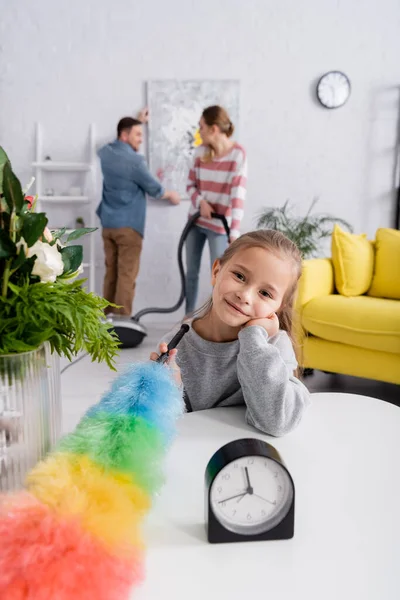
(222, 183)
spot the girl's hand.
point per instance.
(171, 362)
(205, 209)
(270, 324)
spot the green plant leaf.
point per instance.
(19, 260)
(333, 220)
(12, 190)
(78, 233)
(5, 219)
(33, 227)
(57, 234)
(306, 232)
(14, 288)
(68, 317)
(72, 258)
(25, 209)
(3, 161)
(7, 246)
(25, 270)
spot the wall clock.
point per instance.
(333, 89)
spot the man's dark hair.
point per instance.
(126, 124)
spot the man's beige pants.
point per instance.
(122, 248)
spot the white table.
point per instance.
(345, 461)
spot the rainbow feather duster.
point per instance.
(76, 531)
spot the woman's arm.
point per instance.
(238, 194)
(275, 398)
(191, 188)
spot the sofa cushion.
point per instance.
(361, 321)
(386, 279)
(353, 262)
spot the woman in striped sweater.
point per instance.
(217, 183)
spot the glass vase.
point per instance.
(30, 412)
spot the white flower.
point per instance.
(48, 264)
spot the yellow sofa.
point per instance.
(354, 335)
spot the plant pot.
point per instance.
(30, 412)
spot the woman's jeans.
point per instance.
(195, 241)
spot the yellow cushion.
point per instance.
(386, 280)
(353, 262)
(362, 321)
(317, 279)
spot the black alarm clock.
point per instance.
(249, 494)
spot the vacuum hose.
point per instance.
(191, 222)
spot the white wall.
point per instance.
(68, 63)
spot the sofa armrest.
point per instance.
(316, 280)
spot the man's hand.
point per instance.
(172, 197)
(270, 324)
(205, 209)
(143, 116)
(171, 362)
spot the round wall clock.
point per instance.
(333, 89)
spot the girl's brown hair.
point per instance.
(277, 243)
(216, 115)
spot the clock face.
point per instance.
(333, 89)
(251, 495)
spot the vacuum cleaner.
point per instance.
(129, 330)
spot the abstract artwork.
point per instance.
(175, 110)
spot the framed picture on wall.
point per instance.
(175, 110)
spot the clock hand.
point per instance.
(265, 499)
(232, 497)
(249, 488)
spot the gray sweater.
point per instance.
(254, 370)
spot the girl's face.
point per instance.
(207, 133)
(251, 285)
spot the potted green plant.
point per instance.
(306, 232)
(45, 312)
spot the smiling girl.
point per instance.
(239, 347)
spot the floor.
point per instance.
(324, 382)
(84, 382)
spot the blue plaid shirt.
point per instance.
(126, 181)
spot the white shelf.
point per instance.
(52, 165)
(66, 232)
(82, 199)
(88, 169)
